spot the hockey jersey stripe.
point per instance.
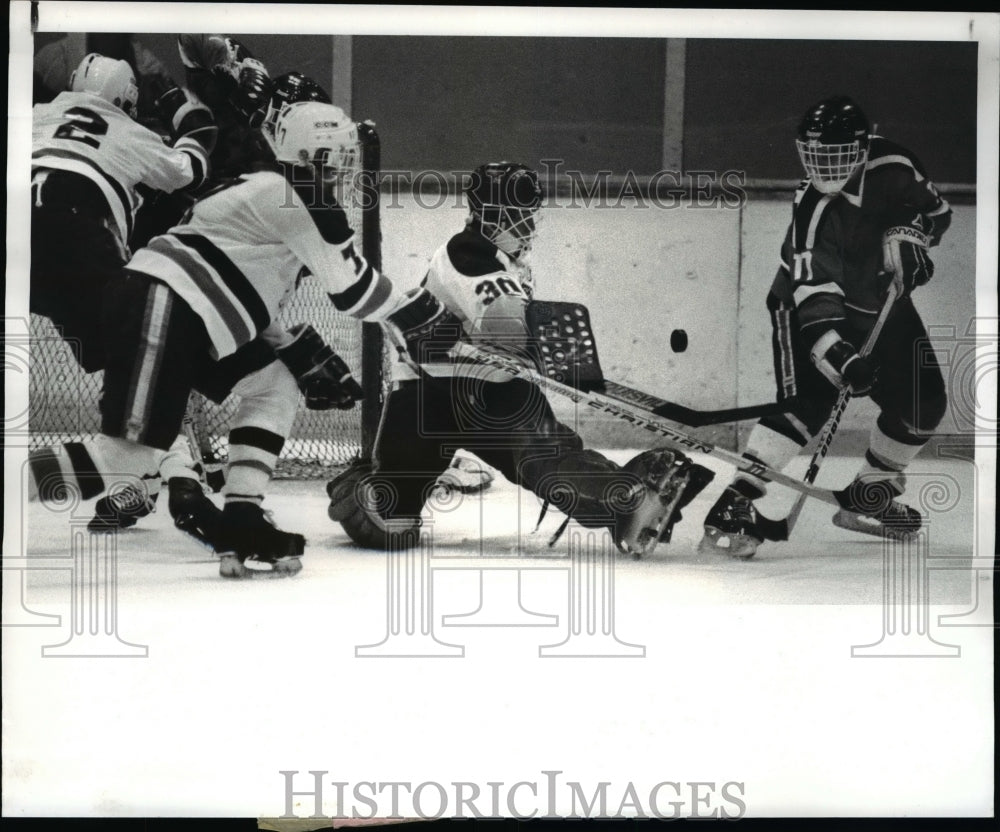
(896, 159)
(117, 197)
(805, 290)
(351, 296)
(179, 268)
(376, 300)
(230, 275)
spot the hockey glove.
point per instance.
(425, 326)
(187, 118)
(904, 255)
(323, 377)
(839, 361)
(253, 91)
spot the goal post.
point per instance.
(63, 400)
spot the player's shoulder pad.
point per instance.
(884, 154)
(472, 254)
(328, 216)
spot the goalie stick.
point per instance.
(636, 415)
(781, 529)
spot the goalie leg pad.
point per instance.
(354, 504)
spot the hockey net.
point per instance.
(63, 400)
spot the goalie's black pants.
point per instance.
(508, 425)
(74, 253)
(909, 387)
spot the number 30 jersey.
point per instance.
(485, 289)
(238, 254)
(82, 133)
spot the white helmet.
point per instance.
(112, 80)
(310, 132)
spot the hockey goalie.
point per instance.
(439, 402)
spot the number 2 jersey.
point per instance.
(82, 133)
(239, 253)
(484, 288)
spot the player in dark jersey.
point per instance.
(482, 275)
(865, 217)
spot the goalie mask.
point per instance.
(833, 143)
(112, 80)
(504, 199)
(316, 134)
(291, 88)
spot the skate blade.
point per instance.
(736, 546)
(869, 525)
(230, 566)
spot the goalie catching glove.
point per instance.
(904, 255)
(839, 361)
(425, 326)
(323, 377)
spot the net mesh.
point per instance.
(63, 400)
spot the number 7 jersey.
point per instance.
(82, 133)
(239, 253)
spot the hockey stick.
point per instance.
(636, 415)
(688, 416)
(781, 529)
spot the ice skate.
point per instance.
(253, 547)
(731, 527)
(194, 513)
(122, 509)
(670, 481)
(868, 507)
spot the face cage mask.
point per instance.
(512, 230)
(829, 166)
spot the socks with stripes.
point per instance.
(253, 453)
(887, 458)
(770, 448)
(89, 468)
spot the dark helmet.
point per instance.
(833, 142)
(291, 88)
(504, 198)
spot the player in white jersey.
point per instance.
(482, 275)
(89, 158)
(209, 286)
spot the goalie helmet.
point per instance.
(112, 80)
(833, 142)
(504, 198)
(291, 88)
(312, 133)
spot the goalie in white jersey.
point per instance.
(482, 275)
(212, 284)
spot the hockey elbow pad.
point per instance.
(323, 377)
(187, 118)
(426, 326)
(841, 364)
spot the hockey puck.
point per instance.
(678, 340)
